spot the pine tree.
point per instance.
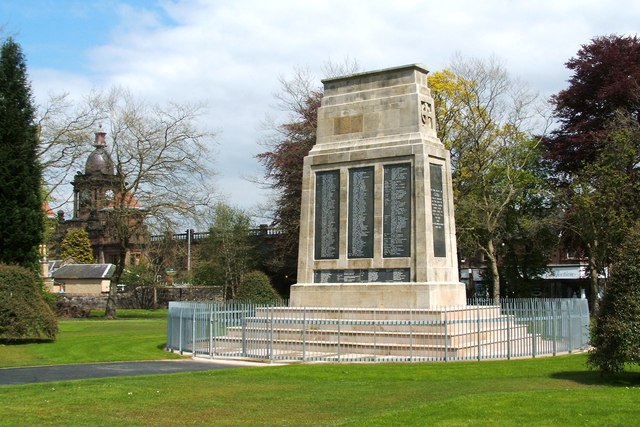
(21, 219)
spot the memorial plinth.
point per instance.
(377, 228)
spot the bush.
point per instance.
(24, 314)
(615, 336)
(256, 287)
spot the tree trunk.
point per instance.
(593, 285)
(493, 264)
(110, 310)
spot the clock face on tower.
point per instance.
(108, 195)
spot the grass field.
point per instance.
(135, 335)
(540, 392)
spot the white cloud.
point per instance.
(231, 53)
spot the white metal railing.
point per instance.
(480, 330)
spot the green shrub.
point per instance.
(77, 246)
(256, 287)
(615, 336)
(24, 314)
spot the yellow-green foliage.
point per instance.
(77, 245)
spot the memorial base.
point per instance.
(378, 295)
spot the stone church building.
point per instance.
(96, 203)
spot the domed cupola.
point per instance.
(99, 161)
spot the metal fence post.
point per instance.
(180, 333)
(411, 335)
(446, 338)
(193, 331)
(554, 325)
(478, 329)
(339, 320)
(375, 348)
(243, 321)
(534, 321)
(569, 315)
(304, 334)
(270, 323)
(509, 317)
(211, 331)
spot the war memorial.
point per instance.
(377, 262)
(377, 227)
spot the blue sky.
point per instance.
(230, 54)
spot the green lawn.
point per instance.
(540, 392)
(135, 335)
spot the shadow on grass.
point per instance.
(623, 379)
(23, 341)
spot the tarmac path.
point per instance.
(41, 374)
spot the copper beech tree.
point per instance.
(287, 145)
(595, 151)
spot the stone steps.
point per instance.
(365, 333)
(261, 348)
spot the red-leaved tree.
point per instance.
(605, 80)
(283, 166)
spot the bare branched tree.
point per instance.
(162, 173)
(489, 121)
(64, 131)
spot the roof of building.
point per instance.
(48, 211)
(84, 271)
(99, 161)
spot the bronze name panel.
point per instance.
(360, 241)
(437, 210)
(384, 275)
(327, 214)
(396, 237)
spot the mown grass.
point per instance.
(135, 335)
(540, 392)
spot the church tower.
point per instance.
(94, 201)
(94, 189)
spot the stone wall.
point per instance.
(79, 305)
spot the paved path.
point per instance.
(40, 374)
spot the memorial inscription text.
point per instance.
(396, 238)
(360, 241)
(327, 215)
(377, 275)
(437, 210)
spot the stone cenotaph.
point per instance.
(377, 228)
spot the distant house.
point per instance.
(83, 279)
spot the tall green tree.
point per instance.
(76, 245)
(602, 200)
(485, 118)
(229, 253)
(22, 219)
